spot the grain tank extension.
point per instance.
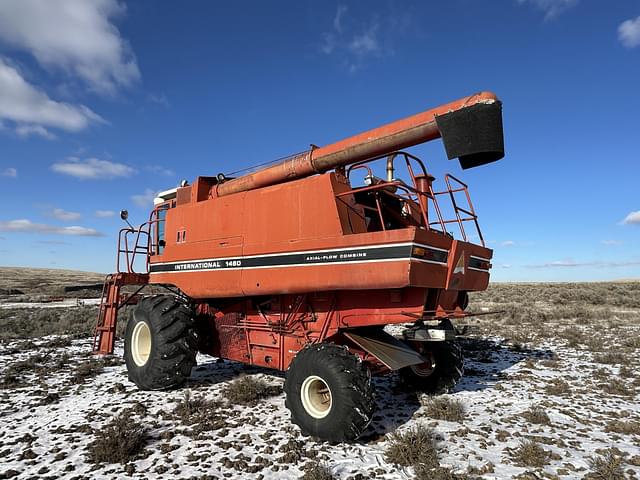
(301, 265)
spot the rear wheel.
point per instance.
(160, 343)
(441, 373)
(329, 393)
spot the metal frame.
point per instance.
(412, 195)
(148, 232)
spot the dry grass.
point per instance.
(417, 445)
(87, 370)
(424, 472)
(189, 410)
(557, 387)
(530, 454)
(42, 364)
(317, 471)
(607, 466)
(249, 390)
(615, 294)
(10, 380)
(615, 386)
(203, 414)
(537, 414)
(629, 427)
(38, 322)
(44, 281)
(445, 408)
(612, 358)
(120, 441)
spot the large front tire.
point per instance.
(329, 393)
(440, 374)
(160, 344)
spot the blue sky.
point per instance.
(103, 103)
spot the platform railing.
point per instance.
(412, 196)
(134, 243)
(468, 214)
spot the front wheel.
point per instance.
(329, 393)
(440, 373)
(160, 343)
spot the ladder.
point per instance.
(111, 301)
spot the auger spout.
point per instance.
(471, 129)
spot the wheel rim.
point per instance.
(141, 343)
(316, 397)
(425, 369)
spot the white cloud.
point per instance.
(53, 242)
(27, 226)
(354, 42)
(569, 263)
(366, 42)
(508, 243)
(104, 213)
(632, 219)
(64, 215)
(505, 265)
(159, 99)
(145, 199)
(29, 107)
(92, 168)
(551, 8)
(9, 172)
(337, 20)
(75, 36)
(39, 130)
(160, 170)
(611, 242)
(629, 32)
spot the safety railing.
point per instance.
(141, 242)
(423, 201)
(468, 214)
(130, 248)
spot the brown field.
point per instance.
(550, 391)
(43, 281)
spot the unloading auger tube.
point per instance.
(470, 128)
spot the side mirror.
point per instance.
(124, 215)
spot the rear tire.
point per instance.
(160, 344)
(329, 393)
(441, 377)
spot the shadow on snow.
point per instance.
(485, 362)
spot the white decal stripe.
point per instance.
(478, 269)
(430, 247)
(299, 252)
(413, 259)
(480, 258)
(286, 266)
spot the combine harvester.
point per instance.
(293, 268)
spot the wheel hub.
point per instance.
(316, 396)
(425, 369)
(141, 343)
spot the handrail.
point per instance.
(144, 243)
(412, 194)
(471, 213)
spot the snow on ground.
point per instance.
(53, 403)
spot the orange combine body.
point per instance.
(293, 267)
